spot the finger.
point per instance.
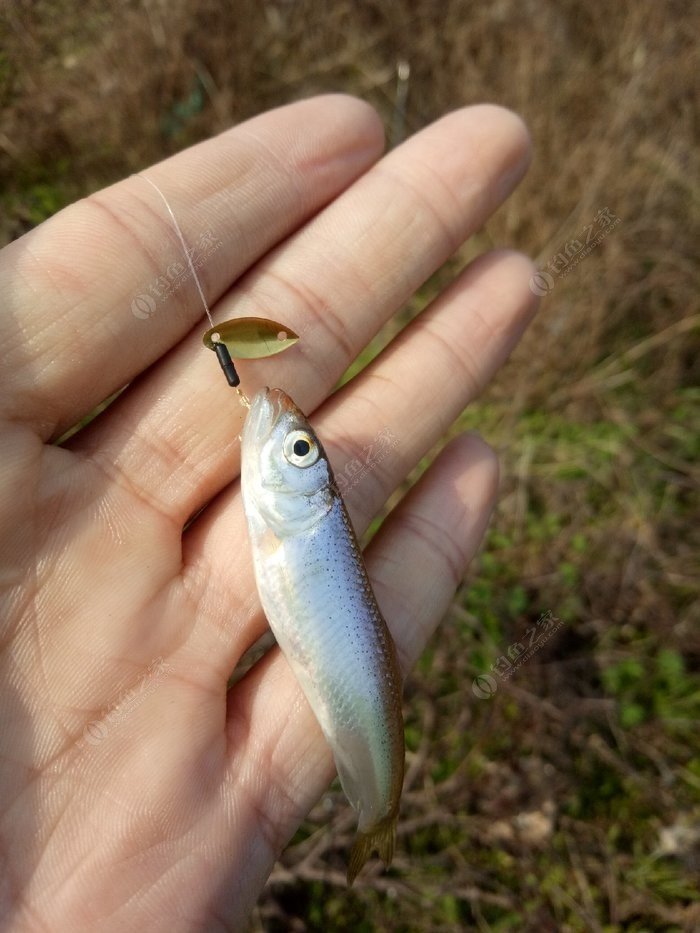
(456, 346)
(427, 377)
(335, 282)
(279, 753)
(101, 290)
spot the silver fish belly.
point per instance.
(314, 589)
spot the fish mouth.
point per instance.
(266, 410)
(283, 403)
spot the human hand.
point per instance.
(137, 793)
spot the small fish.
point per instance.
(314, 589)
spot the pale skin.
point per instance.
(135, 792)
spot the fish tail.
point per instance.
(379, 839)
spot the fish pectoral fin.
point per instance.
(380, 838)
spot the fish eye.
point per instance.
(300, 449)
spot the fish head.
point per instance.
(287, 480)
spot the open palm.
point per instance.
(136, 791)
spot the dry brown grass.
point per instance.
(559, 803)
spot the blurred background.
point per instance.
(552, 725)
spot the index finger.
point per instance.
(76, 289)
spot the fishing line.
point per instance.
(185, 248)
(220, 348)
